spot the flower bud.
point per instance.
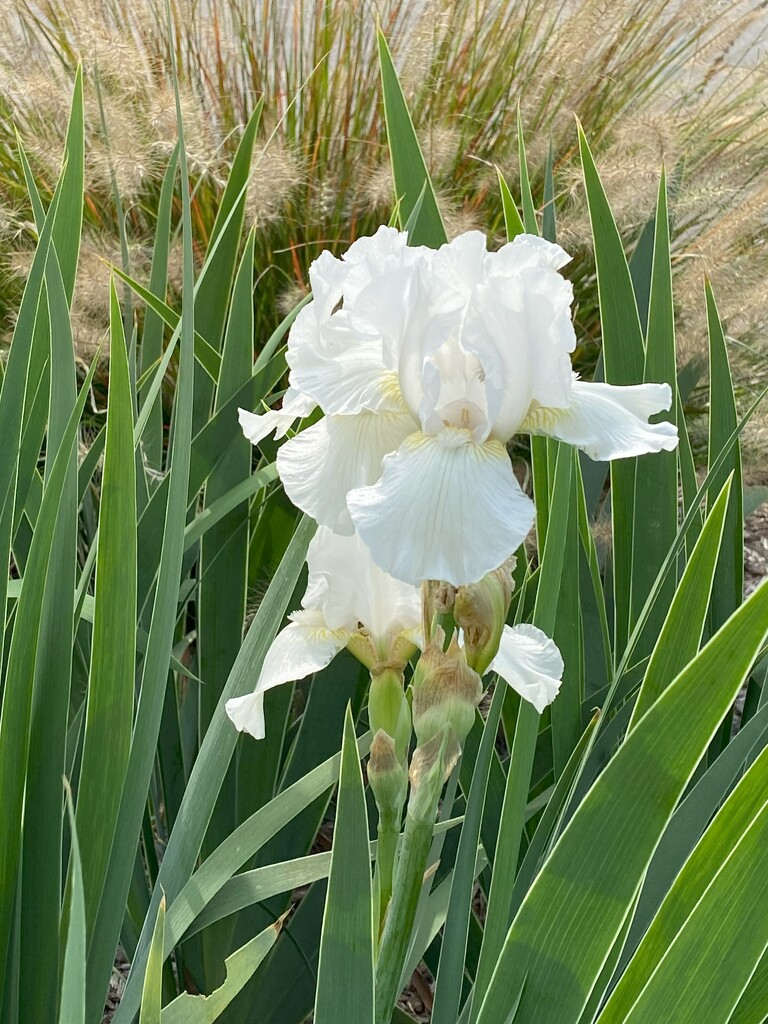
(387, 777)
(445, 691)
(431, 764)
(388, 709)
(444, 597)
(481, 610)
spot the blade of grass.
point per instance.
(159, 645)
(20, 673)
(152, 989)
(526, 198)
(565, 713)
(589, 882)
(450, 974)
(40, 892)
(701, 948)
(216, 751)
(513, 223)
(239, 968)
(223, 567)
(723, 418)
(112, 670)
(683, 627)
(545, 830)
(245, 841)
(345, 976)
(623, 354)
(69, 222)
(408, 166)
(689, 822)
(505, 862)
(12, 399)
(549, 222)
(72, 1003)
(752, 1007)
(212, 293)
(656, 498)
(152, 335)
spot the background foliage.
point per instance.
(651, 80)
(152, 558)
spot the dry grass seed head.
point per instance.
(276, 171)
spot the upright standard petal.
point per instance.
(608, 421)
(323, 463)
(532, 250)
(306, 645)
(445, 508)
(531, 663)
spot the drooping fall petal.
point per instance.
(445, 508)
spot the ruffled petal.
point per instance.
(531, 663)
(370, 258)
(306, 645)
(347, 376)
(532, 250)
(323, 463)
(333, 357)
(527, 316)
(247, 714)
(445, 508)
(350, 588)
(608, 421)
(327, 275)
(256, 426)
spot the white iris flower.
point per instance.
(425, 363)
(350, 602)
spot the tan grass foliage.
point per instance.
(676, 81)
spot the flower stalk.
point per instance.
(389, 782)
(430, 765)
(390, 719)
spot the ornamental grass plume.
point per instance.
(649, 79)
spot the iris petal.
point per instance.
(306, 645)
(608, 421)
(530, 663)
(445, 508)
(323, 463)
(256, 426)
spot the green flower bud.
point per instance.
(388, 709)
(387, 777)
(480, 609)
(445, 691)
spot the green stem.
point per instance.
(386, 850)
(426, 785)
(398, 925)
